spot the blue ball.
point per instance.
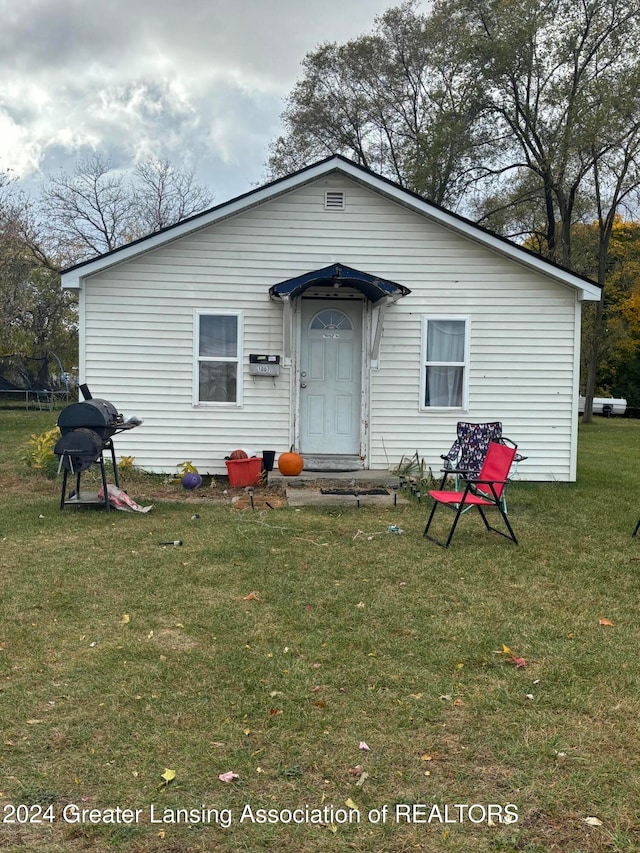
(191, 481)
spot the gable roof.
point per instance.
(73, 276)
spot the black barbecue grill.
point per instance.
(87, 429)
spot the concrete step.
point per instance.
(332, 462)
(335, 479)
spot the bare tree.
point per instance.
(89, 211)
(97, 208)
(164, 195)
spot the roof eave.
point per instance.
(586, 289)
(73, 276)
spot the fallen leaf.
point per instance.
(607, 622)
(363, 778)
(125, 619)
(275, 712)
(426, 757)
(321, 703)
(364, 746)
(315, 689)
(416, 695)
(253, 596)
(513, 658)
(350, 804)
(592, 821)
(169, 775)
(458, 703)
(229, 776)
(356, 771)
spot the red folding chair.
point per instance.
(484, 492)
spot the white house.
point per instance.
(335, 312)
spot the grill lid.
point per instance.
(99, 415)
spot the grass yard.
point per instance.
(121, 659)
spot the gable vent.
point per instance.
(334, 200)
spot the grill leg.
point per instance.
(64, 488)
(113, 462)
(104, 483)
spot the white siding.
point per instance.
(138, 327)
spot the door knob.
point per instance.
(303, 384)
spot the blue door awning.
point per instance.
(372, 287)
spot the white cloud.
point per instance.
(201, 82)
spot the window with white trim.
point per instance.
(218, 360)
(445, 362)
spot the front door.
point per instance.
(330, 377)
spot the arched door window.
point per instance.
(331, 318)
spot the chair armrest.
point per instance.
(475, 482)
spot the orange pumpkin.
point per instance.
(238, 454)
(290, 464)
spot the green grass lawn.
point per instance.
(121, 659)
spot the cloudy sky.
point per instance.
(200, 82)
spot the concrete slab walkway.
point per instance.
(315, 497)
(311, 488)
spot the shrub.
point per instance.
(126, 464)
(40, 455)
